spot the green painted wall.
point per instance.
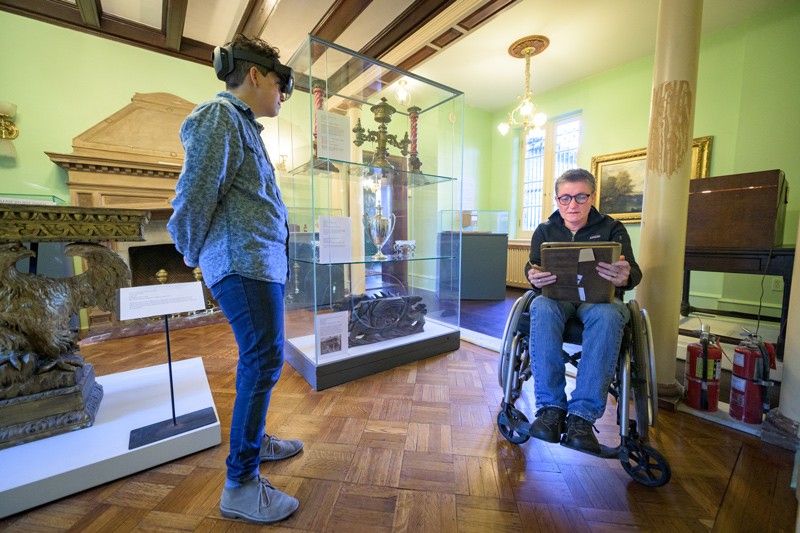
(65, 82)
(748, 82)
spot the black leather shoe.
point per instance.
(580, 436)
(549, 424)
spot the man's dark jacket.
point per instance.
(599, 227)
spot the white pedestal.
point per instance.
(48, 469)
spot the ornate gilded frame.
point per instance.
(632, 162)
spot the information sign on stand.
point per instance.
(164, 300)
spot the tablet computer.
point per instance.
(574, 264)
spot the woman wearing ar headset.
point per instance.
(230, 220)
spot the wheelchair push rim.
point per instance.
(641, 385)
(509, 332)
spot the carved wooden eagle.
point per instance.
(35, 311)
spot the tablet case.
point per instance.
(574, 264)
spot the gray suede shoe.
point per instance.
(275, 449)
(257, 501)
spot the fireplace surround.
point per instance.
(131, 160)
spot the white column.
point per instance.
(668, 171)
(782, 424)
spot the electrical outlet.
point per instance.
(777, 284)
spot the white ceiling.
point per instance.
(586, 36)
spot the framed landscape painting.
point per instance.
(620, 179)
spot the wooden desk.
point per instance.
(776, 262)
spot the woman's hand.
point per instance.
(539, 278)
(617, 272)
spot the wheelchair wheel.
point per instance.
(505, 427)
(509, 332)
(645, 465)
(640, 375)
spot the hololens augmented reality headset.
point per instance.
(223, 58)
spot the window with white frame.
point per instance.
(547, 153)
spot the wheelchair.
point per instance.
(634, 381)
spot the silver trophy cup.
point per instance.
(379, 228)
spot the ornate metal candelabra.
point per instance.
(383, 112)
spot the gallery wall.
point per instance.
(64, 82)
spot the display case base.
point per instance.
(48, 469)
(370, 359)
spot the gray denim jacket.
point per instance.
(228, 216)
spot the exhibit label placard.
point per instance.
(157, 300)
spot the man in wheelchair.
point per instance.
(558, 419)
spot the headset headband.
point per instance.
(223, 59)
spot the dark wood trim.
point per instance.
(417, 57)
(174, 21)
(255, 18)
(338, 18)
(58, 13)
(90, 11)
(447, 37)
(483, 14)
(409, 21)
(67, 16)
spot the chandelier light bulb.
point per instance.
(539, 120)
(401, 93)
(526, 110)
(503, 128)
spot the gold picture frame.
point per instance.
(623, 173)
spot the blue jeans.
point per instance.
(602, 335)
(255, 311)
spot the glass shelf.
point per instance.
(323, 168)
(367, 260)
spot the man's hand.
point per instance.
(539, 278)
(617, 272)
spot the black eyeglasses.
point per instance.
(581, 198)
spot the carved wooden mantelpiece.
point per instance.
(131, 159)
(37, 223)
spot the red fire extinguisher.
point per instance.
(703, 367)
(752, 361)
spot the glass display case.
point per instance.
(474, 220)
(368, 171)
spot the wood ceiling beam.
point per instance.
(90, 11)
(175, 19)
(419, 13)
(255, 18)
(67, 16)
(338, 18)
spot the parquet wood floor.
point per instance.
(416, 449)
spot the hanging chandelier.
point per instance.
(525, 114)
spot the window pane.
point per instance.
(533, 181)
(568, 137)
(560, 144)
